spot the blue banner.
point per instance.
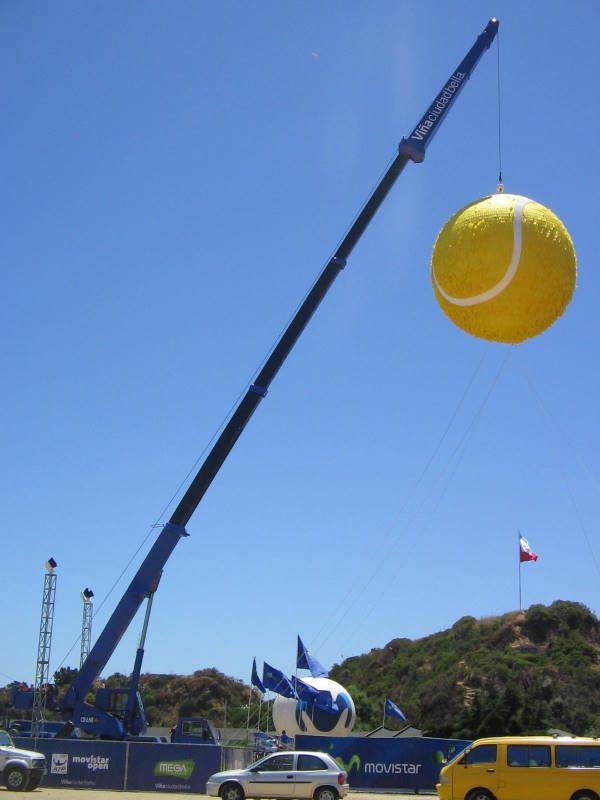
(392, 710)
(171, 767)
(255, 680)
(304, 660)
(372, 763)
(81, 764)
(277, 682)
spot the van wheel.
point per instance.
(585, 794)
(16, 778)
(480, 794)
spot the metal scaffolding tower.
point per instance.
(86, 628)
(40, 689)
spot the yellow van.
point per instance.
(524, 768)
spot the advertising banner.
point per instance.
(405, 763)
(171, 767)
(81, 764)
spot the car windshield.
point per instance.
(256, 763)
(5, 740)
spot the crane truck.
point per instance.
(118, 713)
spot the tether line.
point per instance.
(500, 182)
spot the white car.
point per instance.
(21, 769)
(290, 774)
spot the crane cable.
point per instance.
(444, 481)
(342, 603)
(560, 434)
(395, 539)
(500, 180)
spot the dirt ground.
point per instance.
(96, 794)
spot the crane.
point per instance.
(118, 713)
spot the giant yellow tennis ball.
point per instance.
(504, 268)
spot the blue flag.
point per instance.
(255, 680)
(304, 660)
(305, 692)
(392, 710)
(276, 681)
(325, 702)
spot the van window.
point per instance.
(577, 756)
(484, 754)
(523, 755)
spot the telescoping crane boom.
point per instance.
(118, 713)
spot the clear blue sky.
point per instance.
(174, 175)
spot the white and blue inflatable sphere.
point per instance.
(296, 717)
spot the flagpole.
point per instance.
(383, 720)
(520, 593)
(249, 704)
(260, 702)
(267, 730)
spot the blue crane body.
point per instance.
(118, 713)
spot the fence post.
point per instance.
(126, 766)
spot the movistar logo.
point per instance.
(348, 765)
(175, 769)
(398, 768)
(424, 127)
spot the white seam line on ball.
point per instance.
(508, 275)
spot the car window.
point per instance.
(523, 755)
(310, 762)
(484, 754)
(277, 764)
(583, 757)
(5, 739)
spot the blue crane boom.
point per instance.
(118, 713)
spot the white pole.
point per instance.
(260, 702)
(248, 720)
(520, 594)
(383, 720)
(267, 730)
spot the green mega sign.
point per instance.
(174, 769)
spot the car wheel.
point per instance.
(16, 778)
(326, 793)
(585, 794)
(232, 791)
(480, 794)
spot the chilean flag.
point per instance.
(525, 551)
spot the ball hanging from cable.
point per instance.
(504, 268)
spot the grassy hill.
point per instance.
(207, 693)
(521, 672)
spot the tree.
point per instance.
(64, 676)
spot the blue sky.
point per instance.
(174, 175)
